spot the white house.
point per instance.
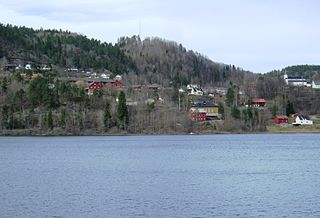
(315, 85)
(104, 76)
(28, 67)
(303, 120)
(181, 90)
(45, 67)
(194, 90)
(295, 80)
(118, 77)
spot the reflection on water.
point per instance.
(160, 176)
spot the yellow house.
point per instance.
(211, 109)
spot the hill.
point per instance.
(56, 103)
(164, 62)
(21, 45)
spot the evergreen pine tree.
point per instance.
(50, 120)
(107, 115)
(62, 121)
(230, 97)
(4, 84)
(5, 116)
(123, 116)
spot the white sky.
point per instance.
(256, 35)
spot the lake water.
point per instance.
(160, 176)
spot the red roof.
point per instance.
(258, 100)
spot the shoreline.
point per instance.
(35, 133)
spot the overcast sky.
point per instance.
(256, 35)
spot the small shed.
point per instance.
(280, 119)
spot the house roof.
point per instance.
(304, 117)
(203, 102)
(199, 110)
(294, 77)
(282, 117)
(258, 100)
(297, 80)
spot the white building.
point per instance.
(194, 90)
(105, 76)
(303, 120)
(45, 68)
(28, 67)
(295, 81)
(118, 77)
(315, 85)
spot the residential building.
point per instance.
(258, 103)
(194, 90)
(295, 80)
(117, 84)
(280, 119)
(93, 86)
(199, 115)
(315, 85)
(302, 120)
(118, 77)
(28, 67)
(210, 107)
(153, 87)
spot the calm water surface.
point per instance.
(160, 176)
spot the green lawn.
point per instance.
(275, 128)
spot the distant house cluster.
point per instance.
(299, 119)
(28, 66)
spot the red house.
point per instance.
(153, 87)
(117, 84)
(198, 115)
(93, 86)
(280, 119)
(258, 102)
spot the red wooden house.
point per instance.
(280, 119)
(199, 115)
(153, 87)
(93, 86)
(117, 84)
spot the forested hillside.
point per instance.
(161, 61)
(152, 95)
(61, 48)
